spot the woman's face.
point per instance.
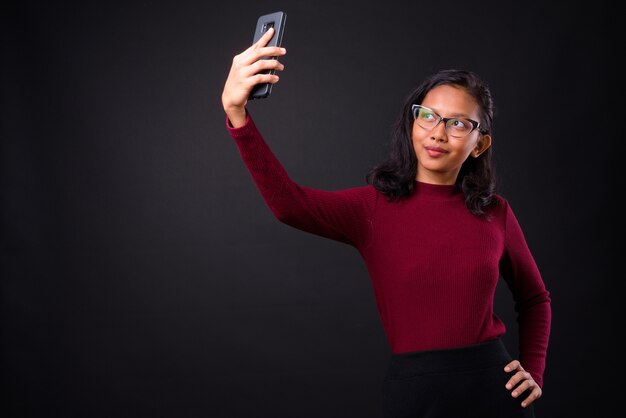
(439, 155)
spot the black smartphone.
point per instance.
(274, 20)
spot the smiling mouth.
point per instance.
(435, 151)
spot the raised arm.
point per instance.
(342, 215)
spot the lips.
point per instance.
(435, 152)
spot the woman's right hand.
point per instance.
(244, 75)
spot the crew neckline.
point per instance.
(436, 190)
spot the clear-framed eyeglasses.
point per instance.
(455, 127)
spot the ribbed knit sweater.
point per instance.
(434, 266)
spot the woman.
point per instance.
(435, 238)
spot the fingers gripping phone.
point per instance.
(273, 20)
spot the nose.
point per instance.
(439, 133)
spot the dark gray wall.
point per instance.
(142, 273)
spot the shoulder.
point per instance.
(358, 191)
(505, 216)
(367, 194)
(358, 195)
(499, 201)
(499, 209)
(363, 196)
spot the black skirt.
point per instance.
(463, 382)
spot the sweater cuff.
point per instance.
(244, 130)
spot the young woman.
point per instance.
(435, 238)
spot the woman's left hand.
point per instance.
(522, 382)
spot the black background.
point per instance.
(142, 273)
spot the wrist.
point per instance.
(236, 116)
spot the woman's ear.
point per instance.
(483, 144)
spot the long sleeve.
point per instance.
(342, 215)
(532, 300)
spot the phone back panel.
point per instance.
(277, 21)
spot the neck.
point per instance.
(442, 179)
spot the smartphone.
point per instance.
(274, 20)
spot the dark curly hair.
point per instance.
(395, 177)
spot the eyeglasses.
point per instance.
(455, 127)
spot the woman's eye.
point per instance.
(459, 124)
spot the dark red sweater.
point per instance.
(434, 266)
